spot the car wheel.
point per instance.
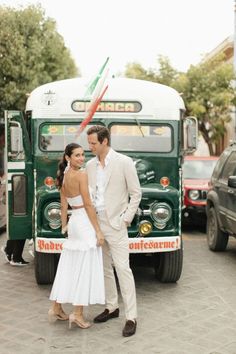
(217, 239)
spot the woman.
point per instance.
(79, 279)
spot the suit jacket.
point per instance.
(122, 192)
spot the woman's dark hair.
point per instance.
(101, 131)
(63, 163)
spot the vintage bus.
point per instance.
(146, 121)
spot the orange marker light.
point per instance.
(49, 182)
(164, 181)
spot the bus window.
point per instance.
(19, 194)
(55, 137)
(146, 138)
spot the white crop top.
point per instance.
(75, 201)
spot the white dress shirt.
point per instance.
(101, 178)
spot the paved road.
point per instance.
(195, 316)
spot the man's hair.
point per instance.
(101, 131)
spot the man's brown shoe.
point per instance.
(106, 315)
(129, 328)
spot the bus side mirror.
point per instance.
(190, 134)
(16, 139)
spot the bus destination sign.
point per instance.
(108, 106)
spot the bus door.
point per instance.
(20, 181)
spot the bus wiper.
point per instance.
(140, 127)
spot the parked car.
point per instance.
(221, 201)
(197, 171)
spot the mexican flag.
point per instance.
(94, 93)
(91, 110)
(96, 82)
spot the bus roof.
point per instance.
(155, 101)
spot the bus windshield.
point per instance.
(124, 137)
(146, 138)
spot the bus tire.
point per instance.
(45, 267)
(168, 266)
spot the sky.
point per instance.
(138, 30)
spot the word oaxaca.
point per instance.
(108, 106)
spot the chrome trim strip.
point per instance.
(20, 165)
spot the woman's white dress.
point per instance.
(79, 279)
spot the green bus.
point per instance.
(146, 121)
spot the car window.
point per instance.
(198, 169)
(220, 163)
(229, 168)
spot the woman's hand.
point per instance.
(100, 238)
(64, 230)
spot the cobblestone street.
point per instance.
(195, 316)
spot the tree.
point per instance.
(206, 89)
(32, 53)
(165, 75)
(209, 93)
(136, 71)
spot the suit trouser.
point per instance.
(116, 252)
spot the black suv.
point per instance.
(221, 201)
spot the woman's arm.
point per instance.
(84, 191)
(64, 208)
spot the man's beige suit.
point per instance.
(122, 195)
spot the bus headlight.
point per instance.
(161, 214)
(145, 227)
(52, 214)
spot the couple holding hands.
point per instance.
(97, 232)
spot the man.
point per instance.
(117, 194)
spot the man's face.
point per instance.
(95, 146)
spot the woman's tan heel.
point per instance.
(78, 321)
(54, 316)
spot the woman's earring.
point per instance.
(67, 167)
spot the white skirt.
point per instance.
(79, 279)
